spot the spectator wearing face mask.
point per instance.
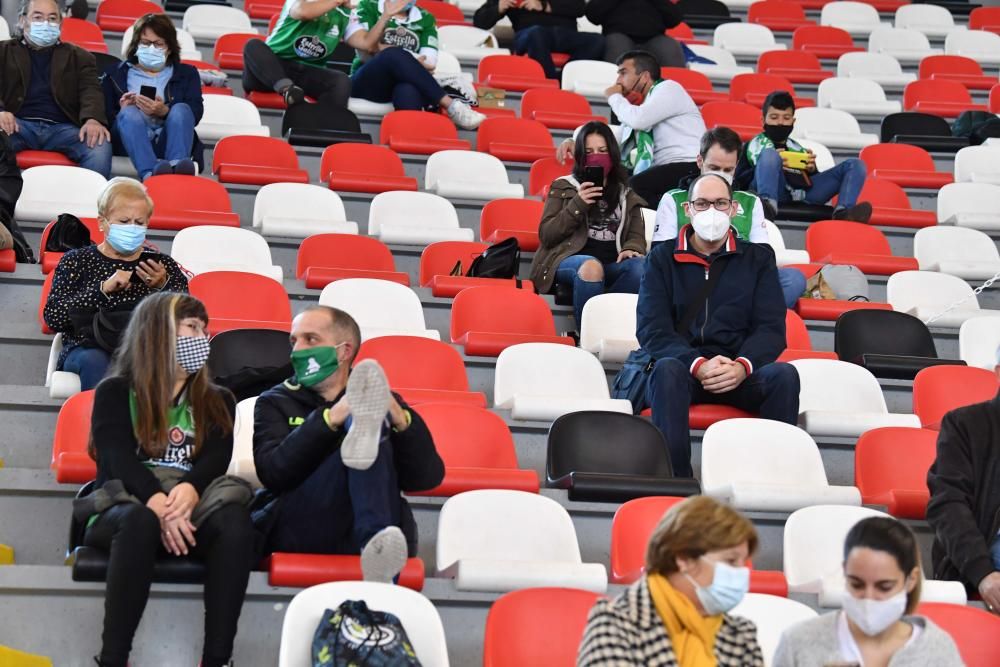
(877, 625)
(677, 615)
(156, 132)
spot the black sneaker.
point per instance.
(294, 95)
(860, 212)
(770, 209)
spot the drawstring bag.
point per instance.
(500, 260)
(68, 233)
(355, 636)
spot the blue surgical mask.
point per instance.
(43, 33)
(126, 239)
(728, 588)
(151, 57)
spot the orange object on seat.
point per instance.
(697, 85)
(754, 89)
(438, 259)
(444, 13)
(904, 164)
(304, 570)
(742, 118)
(536, 626)
(514, 139)
(477, 449)
(505, 218)
(8, 261)
(325, 258)
(420, 132)
(544, 171)
(964, 70)
(778, 15)
(797, 343)
(891, 205)
(823, 41)
(985, 18)
(119, 15)
(188, 201)
(828, 310)
(682, 33)
(846, 242)
(890, 468)
(487, 320)
(513, 73)
(422, 370)
(30, 158)
(229, 49)
(262, 9)
(941, 389)
(256, 161)
(70, 460)
(939, 97)
(974, 630)
(48, 259)
(224, 295)
(796, 66)
(84, 34)
(363, 168)
(557, 109)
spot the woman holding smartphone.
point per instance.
(592, 232)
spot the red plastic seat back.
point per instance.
(536, 626)
(974, 630)
(118, 15)
(689, 79)
(229, 48)
(438, 259)
(183, 194)
(940, 389)
(444, 13)
(758, 84)
(995, 99)
(843, 236)
(512, 131)
(511, 215)
(820, 36)
(796, 333)
(897, 156)
(412, 362)
(553, 99)
(49, 259)
(71, 437)
(985, 18)
(500, 310)
(360, 158)
(225, 295)
(935, 90)
(787, 59)
(931, 65)
(84, 34)
(681, 31)
(503, 65)
(631, 529)
(469, 437)
(544, 171)
(762, 12)
(882, 193)
(729, 114)
(256, 151)
(343, 251)
(893, 458)
(416, 125)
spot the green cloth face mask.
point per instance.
(315, 364)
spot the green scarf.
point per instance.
(637, 146)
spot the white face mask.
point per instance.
(874, 616)
(726, 175)
(711, 225)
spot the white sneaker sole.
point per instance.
(368, 395)
(384, 557)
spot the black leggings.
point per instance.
(264, 71)
(131, 534)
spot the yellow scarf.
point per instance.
(691, 634)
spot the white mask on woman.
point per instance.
(873, 617)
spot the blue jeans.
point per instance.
(772, 391)
(844, 180)
(995, 552)
(618, 277)
(41, 135)
(90, 363)
(539, 41)
(393, 75)
(793, 284)
(144, 144)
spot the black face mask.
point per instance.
(778, 133)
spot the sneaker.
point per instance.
(162, 168)
(184, 167)
(770, 208)
(293, 95)
(861, 212)
(463, 116)
(368, 395)
(384, 556)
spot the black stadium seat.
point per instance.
(320, 125)
(705, 14)
(960, 9)
(888, 343)
(932, 133)
(249, 361)
(611, 457)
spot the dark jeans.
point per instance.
(539, 41)
(772, 391)
(266, 72)
(618, 277)
(666, 50)
(844, 180)
(131, 535)
(90, 363)
(143, 143)
(64, 138)
(393, 75)
(655, 181)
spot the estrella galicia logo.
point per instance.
(309, 46)
(401, 37)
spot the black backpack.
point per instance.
(10, 190)
(68, 233)
(500, 260)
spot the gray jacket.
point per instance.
(814, 643)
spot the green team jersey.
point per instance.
(416, 32)
(742, 221)
(308, 42)
(180, 436)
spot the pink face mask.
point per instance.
(602, 160)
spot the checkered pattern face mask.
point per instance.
(192, 352)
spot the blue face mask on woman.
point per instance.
(729, 586)
(43, 33)
(126, 239)
(151, 57)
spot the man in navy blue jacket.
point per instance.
(727, 355)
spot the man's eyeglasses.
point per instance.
(53, 21)
(147, 43)
(704, 204)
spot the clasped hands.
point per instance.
(720, 374)
(174, 512)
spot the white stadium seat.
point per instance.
(927, 294)
(746, 39)
(543, 381)
(782, 255)
(931, 20)
(906, 46)
(857, 18)
(447, 63)
(469, 43)
(980, 45)
(760, 465)
(834, 128)
(969, 205)
(210, 22)
(837, 398)
(648, 215)
(300, 210)
(50, 190)
(415, 612)
(725, 67)
(414, 218)
(499, 541)
(61, 384)
(211, 248)
(4, 29)
(227, 116)
(189, 51)
(584, 25)
(772, 615)
(380, 307)
(967, 253)
(978, 164)
(589, 78)
(607, 327)
(978, 340)
(881, 68)
(242, 464)
(362, 107)
(469, 175)
(862, 98)
(824, 158)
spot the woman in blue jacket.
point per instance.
(156, 132)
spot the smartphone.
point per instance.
(148, 92)
(594, 175)
(146, 255)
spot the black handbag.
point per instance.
(68, 233)
(354, 636)
(101, 329)
(500, 260)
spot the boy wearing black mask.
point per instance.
(780, 170)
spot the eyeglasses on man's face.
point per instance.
(721, 204)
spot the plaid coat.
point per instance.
(627, 631)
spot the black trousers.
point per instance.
(266, 72)
(655, 181)
(131, 535)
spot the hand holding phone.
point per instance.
(149, 92)
(594, 174)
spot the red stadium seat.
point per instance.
(828, 310)
(304, 570)
(703, 415)
(796, 66)
(477, 449)
(890, 468)
(905, 165)
(742, 118)
(208, 90)
(682, 33)
(444, 13)
(754, 89)
(187, 201)
(941, 389)
(84, 34)
(846, 242)
(697, 85)
(956, 68)
(46, 288)
(513, 73)
(70, 460)
(995, 99)
(543, 172)
(778, 15)
(420, 132)
(974, 630)
(363, 168)
(8, 261)
(823, 41)
(985, 18)
(505, 218)
(939, 97)
(221, 293)
(422, 370)
(557, 109)
(324, 258)
(49, 258)
(487, 320)
(797, 343)
(119, 15)
(438, 259)
(514, 139)
(631, 529)
(229, 49)
(536, 626)
(262, 9)
(29, 158)
(891, 204)
(256, 161)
